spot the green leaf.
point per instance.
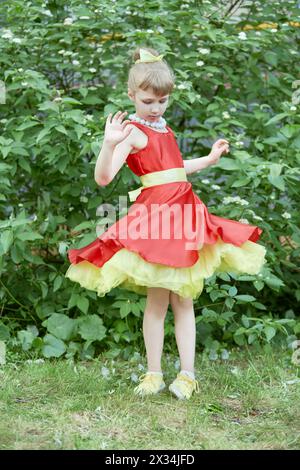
(27, 124)
(83, 304)
(269, 332)
(232, 291)
(276, 118)
(29, 236)
(229, 164)
(251, 338)
(48, 105)
(2, 353)
(61, 129)
(42, 134)
(245, 298)
(60, 326)
(26, 338)
(245, 321)
(6, 241)
(69, 100)
(53, 347)
(241, 182)
(5, 150)
(4, 332)
(277, 181)
(57, 283)
(271, 58)
(91, 328)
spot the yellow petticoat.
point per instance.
(127, 269)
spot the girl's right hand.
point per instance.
(116, 130)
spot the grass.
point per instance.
(250, 401)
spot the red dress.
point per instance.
(194, 246)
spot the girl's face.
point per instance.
(148, 106)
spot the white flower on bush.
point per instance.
(274, 30)
(68, 21)
(17, 40)
(62, 51)
(215, 186)
(150, 31)
(239, 143)
(182, 86)
(205, 181)
(200, 63)
(75, 62)
(92, 70)
(293, 108)
(7, 34)
(160, 29)
(286, 215)
(47, 12)
(24, 83)
(84, 17)
(204, 51)
(83, 199)
(226, 115)
(237, 199)
(244, 221)
(242, 35)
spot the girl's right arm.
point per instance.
(103, 164)
(115, 133)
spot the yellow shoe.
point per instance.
(183, 386)
(151, 383)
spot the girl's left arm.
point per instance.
(195, 164)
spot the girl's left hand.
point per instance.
(219, 147)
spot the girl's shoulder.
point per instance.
(138, 138)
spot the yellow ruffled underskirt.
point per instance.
(128, 270)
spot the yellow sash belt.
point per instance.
(158, 177)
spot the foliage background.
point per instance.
(63, 70)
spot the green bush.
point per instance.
(63, 70)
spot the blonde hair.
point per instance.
(155, 75)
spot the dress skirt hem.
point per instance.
(128, 270)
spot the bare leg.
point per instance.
(185, 330)
(153, 325)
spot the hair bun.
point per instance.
(136, 53)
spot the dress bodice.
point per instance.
(161, 152)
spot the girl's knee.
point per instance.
(158, 298)
(179, 302)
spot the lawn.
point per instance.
(250, 401)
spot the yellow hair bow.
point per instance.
(146, 56)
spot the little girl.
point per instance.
(169, 262)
